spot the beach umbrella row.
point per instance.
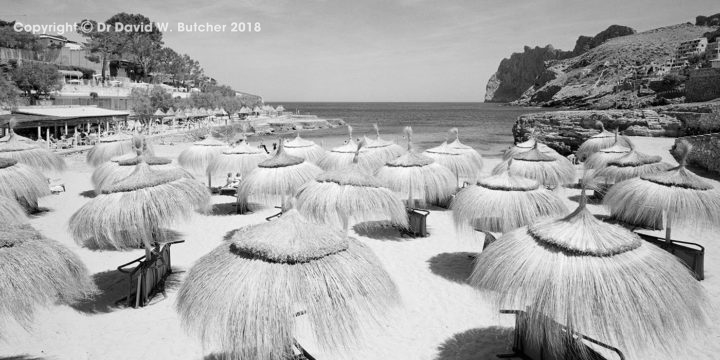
(504, 202)
(595, 278)
(335, 197)
(276, 178)
(134, 211)
(602, 140)
(417, 177)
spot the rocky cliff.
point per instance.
(523, 70)
(564, 131)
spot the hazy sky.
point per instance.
(377, 50)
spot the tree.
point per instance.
(36, 79)
(8, 94)
(103, 45)
(10, 38)
(142, 42)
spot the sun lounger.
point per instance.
(148, 277)
(524, 348)
(56, 186)
(417, 221)
(691, 254)
(271, 218)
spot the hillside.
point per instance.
(595, 79)
(600, 77)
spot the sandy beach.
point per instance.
(440, 317)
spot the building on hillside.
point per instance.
(48, 40)
(74, 45)
(690, 48)
(713, 51)
(715, 64)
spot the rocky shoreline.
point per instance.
(564, 131)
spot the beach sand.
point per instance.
(441, 316)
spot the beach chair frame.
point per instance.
(522, 349)
(147, 279)
(417, 223)
(689, 253)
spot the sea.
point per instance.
(485, 126)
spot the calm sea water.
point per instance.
(486, 127)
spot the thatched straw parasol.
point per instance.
(198, 157)
(336, 196)
(461, 165)
(548, 170)
(527, 146)
(242, 298)
(416, 176)
(600, 158)
(31, 154)
(22, 183)
(602, 140)
(342, 156)
(632, 164)
(7, 137)
(37, 272)
(122, 166)
(468, 151)
(111, 146)
(501, 203)
(11, 212)
(686, 199)
(242, 159)
(276, 178)
(386, 149)
(305, 149)
(132, 211)
(596, 278)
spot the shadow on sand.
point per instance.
(88, 194)
(476, 344)
(113, 288)
(378, 230)
(224, 209)
(455, 267)
(22, 357)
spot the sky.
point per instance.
(366, 50)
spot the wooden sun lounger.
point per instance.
(523, 348)
(148, 277)
(417, 221)
(691, 254)
(273, 217)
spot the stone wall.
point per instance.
(703, 85)
(706, 151)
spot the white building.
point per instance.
(691, 47)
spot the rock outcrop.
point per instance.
(528, 69)
(564, 131)
(519, 72)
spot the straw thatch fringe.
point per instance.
(462, 165)
(369, 159)
(269, 185)
(632, 165)
(31, 154)
(37, 271)
(639, 299)
(111, 172)
(603, 140)
(241, 159)
(24, 184)
(198, 157)
(430, 183)
(127, 218)
(638, 201)
(11, 212)
(305, 149)
(473, 156)
(602, 157)
(549, 173)
(334, 196)
(104, 151)
(246, 307)
(503, 209)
